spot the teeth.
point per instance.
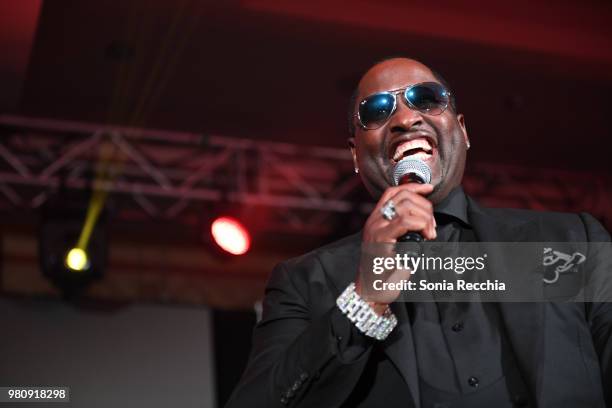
(420, 155)
(422, 144)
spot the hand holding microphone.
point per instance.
(411, 171)
(402, 212)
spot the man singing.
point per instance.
(309, 350)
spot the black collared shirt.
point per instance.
(453, 209)
(461, 355)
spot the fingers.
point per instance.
(391, 192)
(412, 218)
(406, 202)
(415, 208)
(414, 213)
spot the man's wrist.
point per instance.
(363, 316)
(379, 308)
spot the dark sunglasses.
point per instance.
(426, 97)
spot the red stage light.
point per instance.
(231, 235)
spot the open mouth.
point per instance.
(420, 148)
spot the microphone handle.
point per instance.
(411, 237)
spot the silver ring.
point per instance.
(388, 210)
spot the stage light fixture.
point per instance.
(77, 260)
(71, 266)
(230, 235)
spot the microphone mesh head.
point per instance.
(414, 166)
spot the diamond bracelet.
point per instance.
(363, 316)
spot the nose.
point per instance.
(404, 119)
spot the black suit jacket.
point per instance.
(563, 350)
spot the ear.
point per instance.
(352, 147)
(461, 120)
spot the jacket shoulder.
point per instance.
(339, 248)
(333, 265)
(520, 214)
(572, 226)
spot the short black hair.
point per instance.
(353, 98)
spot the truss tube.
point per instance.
(308, 183)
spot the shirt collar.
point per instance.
(453, 207)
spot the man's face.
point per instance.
(443, 138)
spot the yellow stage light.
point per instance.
(77, 260)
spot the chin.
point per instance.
(438, 194)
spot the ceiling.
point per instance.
(532, 77)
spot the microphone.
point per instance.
(411, 170)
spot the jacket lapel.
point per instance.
(524, 322)
(399, 346)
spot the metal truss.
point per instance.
(168, 175)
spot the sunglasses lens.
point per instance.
(429, 97)
(375, 110)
